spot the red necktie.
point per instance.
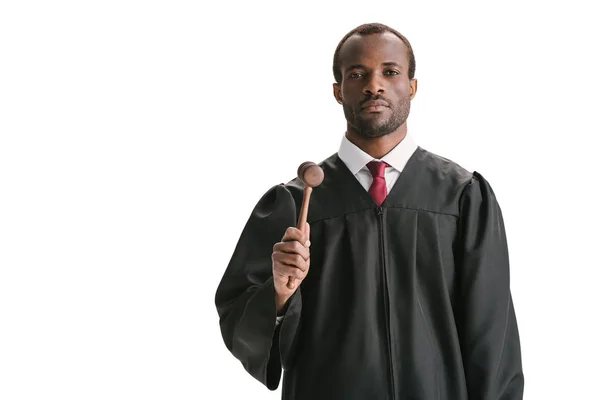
(378, 189)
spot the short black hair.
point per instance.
(370, 29)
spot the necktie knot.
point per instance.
(377, 168)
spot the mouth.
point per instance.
(374, 106)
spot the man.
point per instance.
(402, 291)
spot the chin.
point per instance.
(377, 130)
(374, 133)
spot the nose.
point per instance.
(373, 85)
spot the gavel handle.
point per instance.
(302, 223)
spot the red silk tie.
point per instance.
(378, 189)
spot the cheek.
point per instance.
(344, 93)
(402, 89)
(351, 90)
(399, 96)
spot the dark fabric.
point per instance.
(409, 300)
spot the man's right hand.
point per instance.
(291, 258)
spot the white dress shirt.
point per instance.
(356, 160)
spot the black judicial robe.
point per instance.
(407, 301)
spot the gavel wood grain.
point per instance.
(312, 176)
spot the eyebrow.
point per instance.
(385, 64)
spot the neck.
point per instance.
(380, 146)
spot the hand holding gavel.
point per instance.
(291, 256)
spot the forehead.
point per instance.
(373, 49)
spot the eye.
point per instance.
(391, 72)
(355, 75)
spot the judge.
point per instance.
(401, 279)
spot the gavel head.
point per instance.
(311, 174)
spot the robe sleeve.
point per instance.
(486, 320)
(245, 297)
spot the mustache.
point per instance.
(372, 98)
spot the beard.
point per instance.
(378, 125)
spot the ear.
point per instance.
(337, 92)
(413, 88)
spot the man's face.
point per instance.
(375, 90)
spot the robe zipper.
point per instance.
(386, 300)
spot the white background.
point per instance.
(136, 137)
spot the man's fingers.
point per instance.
(294, 234)
(285, 271)
(290, 259)
(291, 256)
(292, 247)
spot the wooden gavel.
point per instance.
(312, 176)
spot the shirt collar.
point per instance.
(356, 159)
